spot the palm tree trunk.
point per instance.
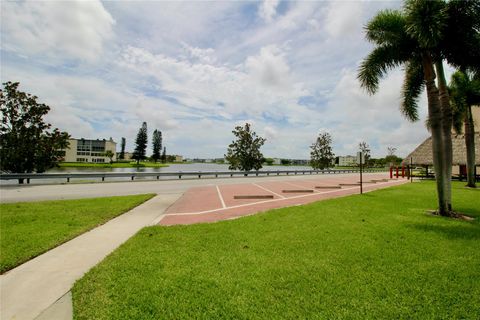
(470, 144)
(435, 122)
(446, 123)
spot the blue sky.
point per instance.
(195, 70)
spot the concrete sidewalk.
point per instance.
(31, 288)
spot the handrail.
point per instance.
(179, 174)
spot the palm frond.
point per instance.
(426, 21)
(459, 88)
(413, 86)
(387, 27)
(376, 65)
(461, 40)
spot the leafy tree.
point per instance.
(164, 155)
(321, 156)
(121, 156)
(157, 145)
(285, 162)
(391, 158)
(365, 149)
(269, 161)
(26, 144)
(141, 144)
(465, 93)
(244, 153)
(109, 154)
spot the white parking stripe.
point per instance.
(221, 198)
(274, 200)
(278, 195)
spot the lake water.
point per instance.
(190, 167)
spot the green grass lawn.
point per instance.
(28, 229)
(371, 256)
(113, 165)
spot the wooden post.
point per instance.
(361, 180)
(411, 169)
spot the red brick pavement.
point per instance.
(215, 203)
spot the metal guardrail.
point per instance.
(180, 174)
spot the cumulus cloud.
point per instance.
(254, 87)
(374, 119)
(269, 68)
(267, 10)
(73, 29)
(344, 18)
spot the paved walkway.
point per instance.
(32, 287)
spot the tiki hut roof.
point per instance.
(422, 155)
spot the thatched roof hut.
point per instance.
(422, 155)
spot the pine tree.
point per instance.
(164, 155)
(141, 144)
(321, 156)
(121, 156)
(156, 145)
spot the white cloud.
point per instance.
(73, 29)
(269, 68)
(344, 18)
(375, 119)
(270, 133)
(268, 9)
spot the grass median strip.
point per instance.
(28, 229)
(371, 256)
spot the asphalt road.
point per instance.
(23, 193)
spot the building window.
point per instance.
(82, 160)
(98, 145)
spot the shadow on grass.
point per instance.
(466, 231)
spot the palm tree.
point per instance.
(420, 38)
(464, 93)
(394, 47)
(449, 31)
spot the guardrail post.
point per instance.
(231, 175)
(158, 177)
(133, 177)
(278, 173)
(199, 176)
(256, 173)
(103, 178)
(268, 173)
(216, 175)
(28, 180)
(68, 179)
(179, 176)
